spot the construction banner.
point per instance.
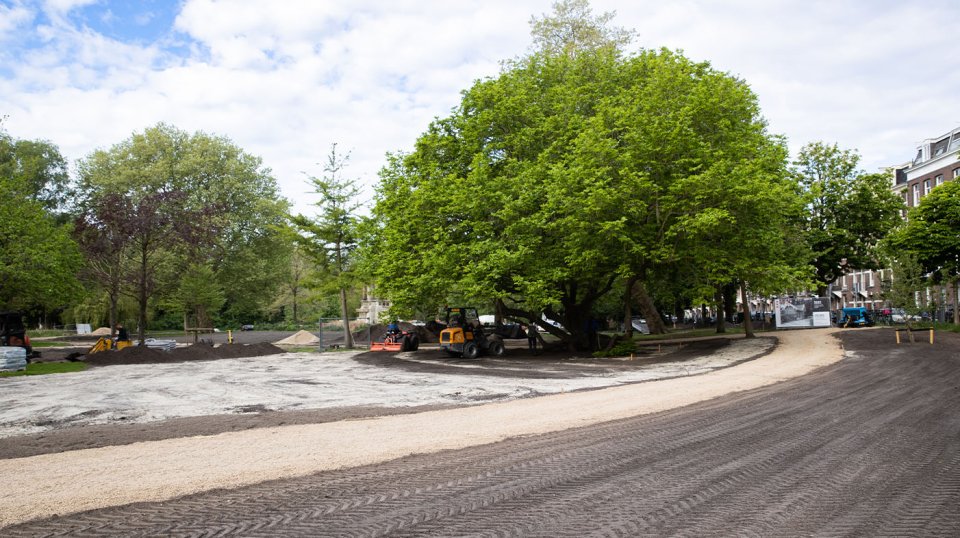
(802, 312)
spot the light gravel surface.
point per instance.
(291, 381)
(68, 482)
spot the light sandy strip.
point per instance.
(67, 482)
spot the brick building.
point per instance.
(935, 162)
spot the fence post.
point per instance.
(320, 335)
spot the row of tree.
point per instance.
(165, 225)
(581, 181)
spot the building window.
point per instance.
(940, 147)
(916, 193)
(956, 173)
(938, 180)
(926, 187)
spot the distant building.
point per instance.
(934, 163)
(371, 307)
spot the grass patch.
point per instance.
(49, 343)
(44, 368)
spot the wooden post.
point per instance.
(897, 331)
(931, 336)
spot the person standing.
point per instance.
(532, 338)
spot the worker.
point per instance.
(393, 332)
(532, 338)
(122, 334)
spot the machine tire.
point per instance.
(405, 343)
(495, 348)
(414, 342)
(470, 350)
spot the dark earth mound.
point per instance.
(195, 352)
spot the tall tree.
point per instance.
(39, 168)
(38, 258)
(559, 178)
(932, 237)
(183, 201)
(331, 238)
(849, 212)
(572, 27)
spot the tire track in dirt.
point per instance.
(864, 447)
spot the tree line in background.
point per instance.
(165, 229)
(582, 182)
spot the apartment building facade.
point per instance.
(935, 162)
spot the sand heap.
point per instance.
(102, 331)
(299, 338)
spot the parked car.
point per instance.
(897, 315)
(246, 327)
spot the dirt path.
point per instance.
(79, 480)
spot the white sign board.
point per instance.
(83, 328)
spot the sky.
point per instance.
(284, 80)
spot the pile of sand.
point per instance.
(102, 331)
(299, 338)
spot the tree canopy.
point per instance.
(931, 237)
(38, 260)
(848, 211)
(197, 205)
(567, 172)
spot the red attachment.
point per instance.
(391, 342)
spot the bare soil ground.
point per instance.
(78, 480)
(518, 364)
(864, 446)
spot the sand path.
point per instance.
(68, 482)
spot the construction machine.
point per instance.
(464, 335)
(107, 344)
(396, 339)
(14, 333)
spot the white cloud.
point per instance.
(286, 81)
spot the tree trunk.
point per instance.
(956, 300)
(627, 314)
(650, 312)
(113, 313)
(747, 321)
(296, 316)
(142, 297)
(347, 335)
(721, 310)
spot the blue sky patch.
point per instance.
(141, 22)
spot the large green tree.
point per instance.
(848, 211)
(186, 204)
(567, 173)
(931, 236)
(38, 259)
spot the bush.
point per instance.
(621, 349)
